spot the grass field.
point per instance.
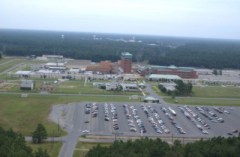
(10, 64)
(23, 114)
(82, 148)
(53, 148)
(204, 101)
(216, 92)
(209, 95)
(78, 87)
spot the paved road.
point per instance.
(63, 94)
(75, 131)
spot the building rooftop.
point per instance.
(126, 55)
(170, 67)
(26, 83)
(24, 72)
(160, 76)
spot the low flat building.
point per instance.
(60, 65)
(163, 78)
(24, 73)
(169, 86)
(26, 85)
(183, 72)
(129, 87)
(150, 99)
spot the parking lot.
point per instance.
(139, 119)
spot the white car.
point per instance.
(85, 131)
(204, 132)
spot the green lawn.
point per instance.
(216, 92)
(202, 101)
(78, 87)
(53, 148)
(23, 114)
(14, 85)
(12, 63)
(3, 60)
(82, 148)
(209, 95)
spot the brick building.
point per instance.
(183, 72)
(104, 67)
(126, 62)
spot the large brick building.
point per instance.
(126, 62)
(183, 72)
(104, 67)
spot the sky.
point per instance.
(186, 18)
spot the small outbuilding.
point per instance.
(26, 85)
(150, 99)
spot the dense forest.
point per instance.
(13, 144)
(215, 147)
(205, 53)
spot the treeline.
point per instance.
(13, 144)
(215, 147)
(205, 54)
(217, 54)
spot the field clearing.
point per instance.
(53, 148)
(23, 114)
(203, 101)
(4, 60)
(82, 148)
(78, 87)
(10, 64)
(216, 92)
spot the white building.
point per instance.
(163, 78)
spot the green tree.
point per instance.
(39, 134)
(13, 144)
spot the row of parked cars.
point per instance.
(209, 114)
(195, 119)
(114, 115)
(155, 120)
(132, 115)
(129, 118)
(170, 113)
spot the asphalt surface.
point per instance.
(192, 126)
(98, 126)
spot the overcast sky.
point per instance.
(192, 18)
